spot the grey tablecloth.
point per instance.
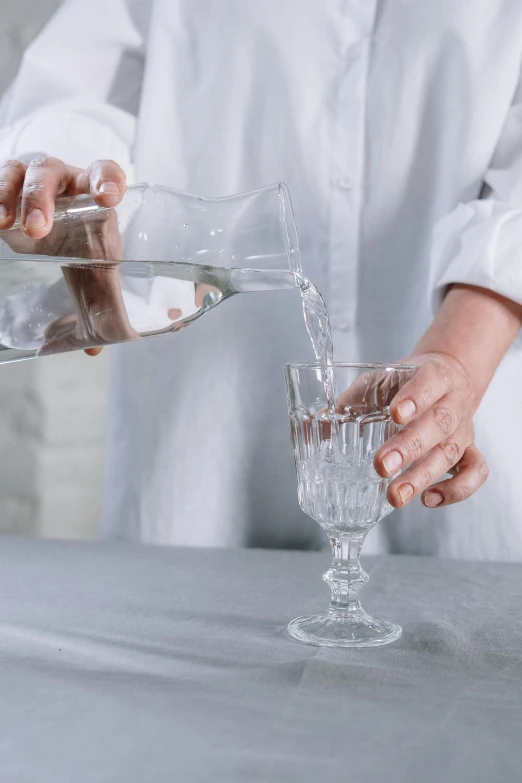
(145, 665)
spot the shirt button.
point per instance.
(344, 183)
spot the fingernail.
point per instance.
(35, 219)
(406, 409)
(110, 188)
(392, 462)
(405, 493)
(432, 499)
(3, 212)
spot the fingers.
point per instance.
(426, 471)
(370, 391)
(93, 351)
(104, 180)
(472, 472)
(45, 179)
(434, 427)
(360, 392)
(100, 308)
(202, 289)
(12, 175)
(429, 384)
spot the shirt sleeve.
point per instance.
(480, 243)
(77, 92)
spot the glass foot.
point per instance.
(357, 629)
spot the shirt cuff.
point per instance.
(478, 244)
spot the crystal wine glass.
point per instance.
(338, 486)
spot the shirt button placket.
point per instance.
(348, 164)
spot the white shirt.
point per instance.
(388, 121)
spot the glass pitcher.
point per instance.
(151, 265)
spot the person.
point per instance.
(398, 128)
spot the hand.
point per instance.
(41, 182)
(436, 406)
(97, 313)
(100, 314)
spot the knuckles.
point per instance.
(105, 167)
(483, 470)
(445, 418)
(47, 162)
(462, 491)
(452, 451)
(426, 477)
(412, 447)
(34, 190)
(13, 166)
(7, 187)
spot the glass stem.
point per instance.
(346, 575)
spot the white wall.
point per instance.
(52, 410)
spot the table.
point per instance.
(132, 664)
